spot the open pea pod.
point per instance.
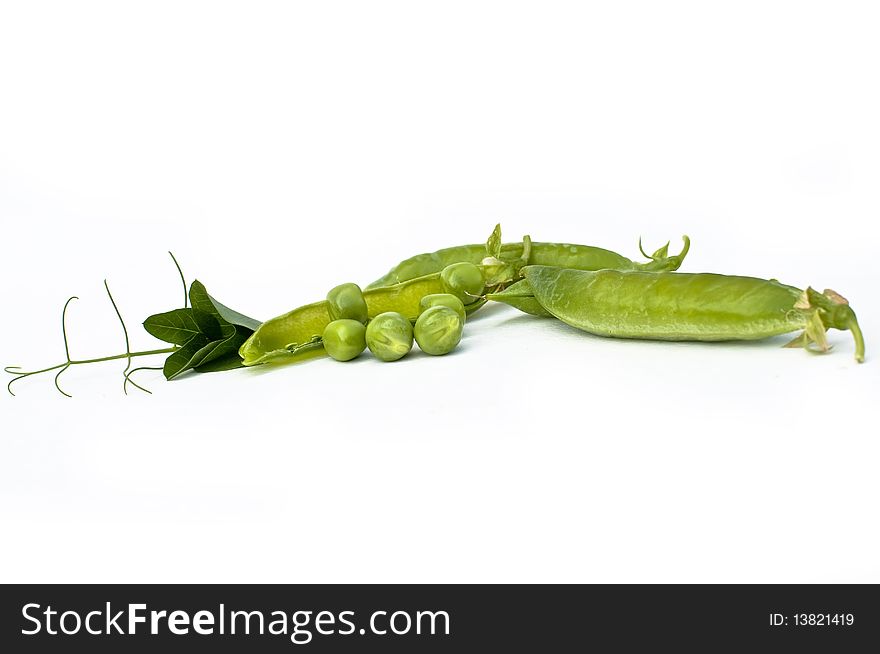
(563, 255)
(296, 335)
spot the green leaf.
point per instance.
(200, 299)
(181, 325)
(184, 358)
(210, 334)
(230, 361)
(493, 245)
(234, 339)
(234, 317)
(206, 356)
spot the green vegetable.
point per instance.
(520, 296)
(593, 289)
(438, 330)
(347, 301)
(296, 335)
(344, 339)
(444, 300)
(389, 336)
(463, 280)
(690, 307)
(564, 255)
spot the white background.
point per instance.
(280, 149)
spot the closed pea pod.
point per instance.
(520, 296)
(580, 257)
(697, 307)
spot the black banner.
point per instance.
(436, 618)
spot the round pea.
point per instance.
(389, 336)
(438, 330)
(344, 339)
(463, 280)
(347, 301)
(444, 300)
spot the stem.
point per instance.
(164, 350)
(74, 362)
(15, 370)
(859, 339)
(527, 250)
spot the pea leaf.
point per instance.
(493, 245)
(181, 325)
(200, 299)
(183, 359)
(225, 356)
(234, 317)
(200, 351)
(229, 361)
(209, 334)
(234, 338)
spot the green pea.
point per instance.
(438, 330)
(347, 301)
(389, 336)
(463, 280)
(344, 339)
(444, 300)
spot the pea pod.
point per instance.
(520, 296)
(295, 335)
(564, 255)
(690, 307)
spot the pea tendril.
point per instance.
(128, 355)
(182, 279)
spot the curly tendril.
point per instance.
(128, 355)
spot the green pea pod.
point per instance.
(563, 255)
(691, 307)
(520, 296)
(295, 336)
